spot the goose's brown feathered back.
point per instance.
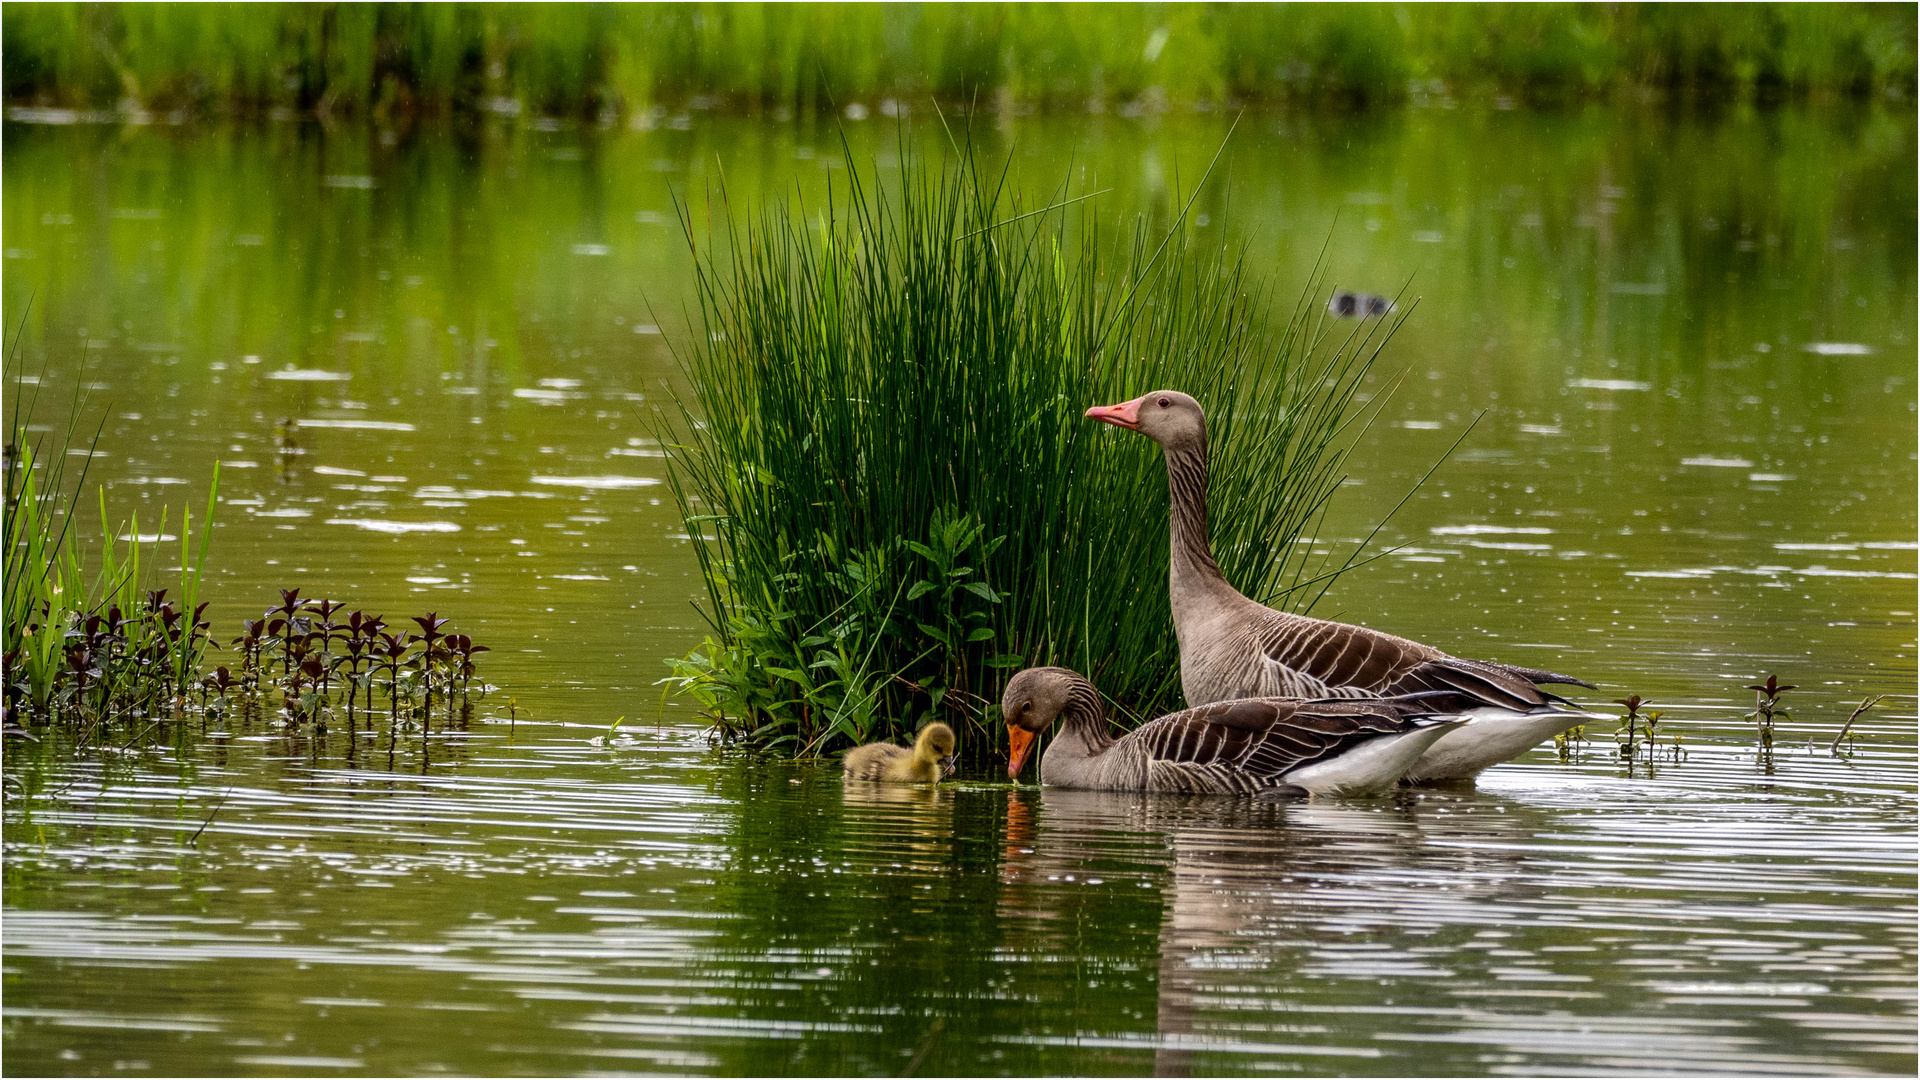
(1275, 653)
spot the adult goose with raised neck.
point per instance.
(1232, 647)
(1252, 746)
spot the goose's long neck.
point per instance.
(1085, 719)
(1071, 758)
(1193, 568)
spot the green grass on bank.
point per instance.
(896, 498)
(400, 60)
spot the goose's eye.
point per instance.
(1164, 403)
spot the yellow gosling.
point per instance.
(930, 759)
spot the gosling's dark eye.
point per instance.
(1164, 403)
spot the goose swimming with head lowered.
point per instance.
(1233, 647)
(1270, 746)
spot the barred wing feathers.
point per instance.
(1312, 657)
(1248, 745)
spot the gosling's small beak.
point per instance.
(1019, 744)
(1126, 414)
(946, 765)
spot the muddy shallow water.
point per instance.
(1692, 340)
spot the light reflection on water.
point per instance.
(542, 905)
(1697, 468)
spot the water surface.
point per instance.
(1690, 337)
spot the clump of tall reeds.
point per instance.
(888, 479)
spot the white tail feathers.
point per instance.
(1375, 765)
(1487, 738)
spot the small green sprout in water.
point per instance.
(286, 451)
(1640, 732)
(1629, 732)
(1652, 731)
(613, 727)
(222, 686)
(1570, 741)
(1767, 709)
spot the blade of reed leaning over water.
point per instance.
(41, 558)
(887, 394)
(84, 645)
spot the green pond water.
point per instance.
(1692, 341)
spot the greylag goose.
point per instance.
(1232, 647)
(1276, 746)
(930, 759)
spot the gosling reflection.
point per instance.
(907, 823)
(893, 795)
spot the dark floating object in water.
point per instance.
(1359, 305)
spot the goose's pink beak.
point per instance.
(1019, 745)
(1126, 414)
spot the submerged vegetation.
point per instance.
(894, 495)
(400, 60)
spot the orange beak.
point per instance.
(1126, 414)
(1019, 744)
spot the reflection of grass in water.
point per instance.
(467, 245)
(896, 498)
(435, 58)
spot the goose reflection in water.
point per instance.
(1268, 889)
